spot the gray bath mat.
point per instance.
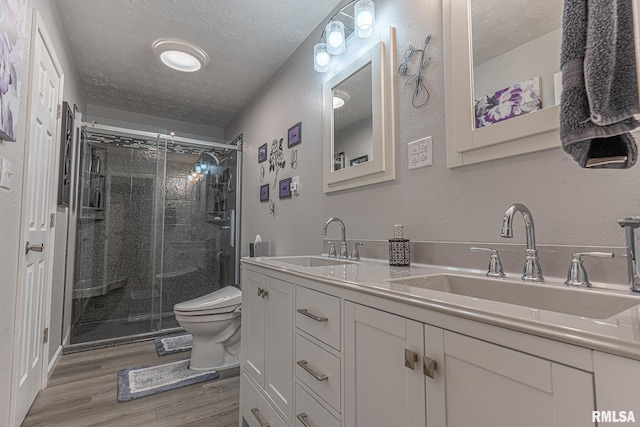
(173, 344)
(142, 381)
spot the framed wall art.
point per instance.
(264, 193)
(294, 136)
(262, 153)
(12, 39)
(285, 188)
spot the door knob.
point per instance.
(37, 247)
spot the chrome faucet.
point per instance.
(532, 269)
(343, 243)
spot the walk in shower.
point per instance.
(156, 225)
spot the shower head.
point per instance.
(218, 157)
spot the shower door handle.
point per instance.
(232, 237)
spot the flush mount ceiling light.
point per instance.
(340, 97)
(180, 55)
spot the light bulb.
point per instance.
(364, 13)
(335, 37)
(337, 102)
(364, 20)
(190, 177)
(198, 169)
(321, 58)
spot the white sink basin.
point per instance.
(591, 303)
(311, 261)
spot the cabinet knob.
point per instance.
(429, 367)
(410, 359)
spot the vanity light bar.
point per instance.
(333, 41)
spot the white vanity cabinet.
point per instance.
(474, 382)
(267, 344)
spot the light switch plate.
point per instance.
(6, 170)
(295, 186)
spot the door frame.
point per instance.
(38, 30)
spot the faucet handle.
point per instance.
(355, 254)
(577, 275)
(495, 265)
(332, 249)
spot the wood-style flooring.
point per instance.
(82, 392)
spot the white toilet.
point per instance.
(214, 322)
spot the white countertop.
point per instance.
(619, 334)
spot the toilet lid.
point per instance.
(229, 296)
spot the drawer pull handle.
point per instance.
(429, 367)
(303, 419)
(256, 413)
(305, 312)
(319, 377)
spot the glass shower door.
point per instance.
(197, 235)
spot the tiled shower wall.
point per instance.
(122, 248)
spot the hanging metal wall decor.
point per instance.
(420, 92)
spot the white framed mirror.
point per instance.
(480, 67)
(358, 130)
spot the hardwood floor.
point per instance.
(82, 392)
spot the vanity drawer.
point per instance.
(311, 411)
(256, 411)
(319, 370)
(318, 314)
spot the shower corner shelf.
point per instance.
(93, 182)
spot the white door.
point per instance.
(42, 139)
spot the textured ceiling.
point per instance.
(246, 41)
(499, 26)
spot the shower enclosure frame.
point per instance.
(235, 220)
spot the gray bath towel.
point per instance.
(599, 94)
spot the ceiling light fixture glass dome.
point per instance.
(180, 55)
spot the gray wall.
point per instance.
(570, 205)
(10, 200)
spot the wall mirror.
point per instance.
(358, 131)
(502, 78)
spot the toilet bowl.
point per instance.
(214, 322)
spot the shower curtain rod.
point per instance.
(146, 134)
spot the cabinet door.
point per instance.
(253, 325)
(487, 384)
(279, 344)
(379, 389)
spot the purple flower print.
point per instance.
(521, 98)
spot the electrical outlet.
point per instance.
(420, 153)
